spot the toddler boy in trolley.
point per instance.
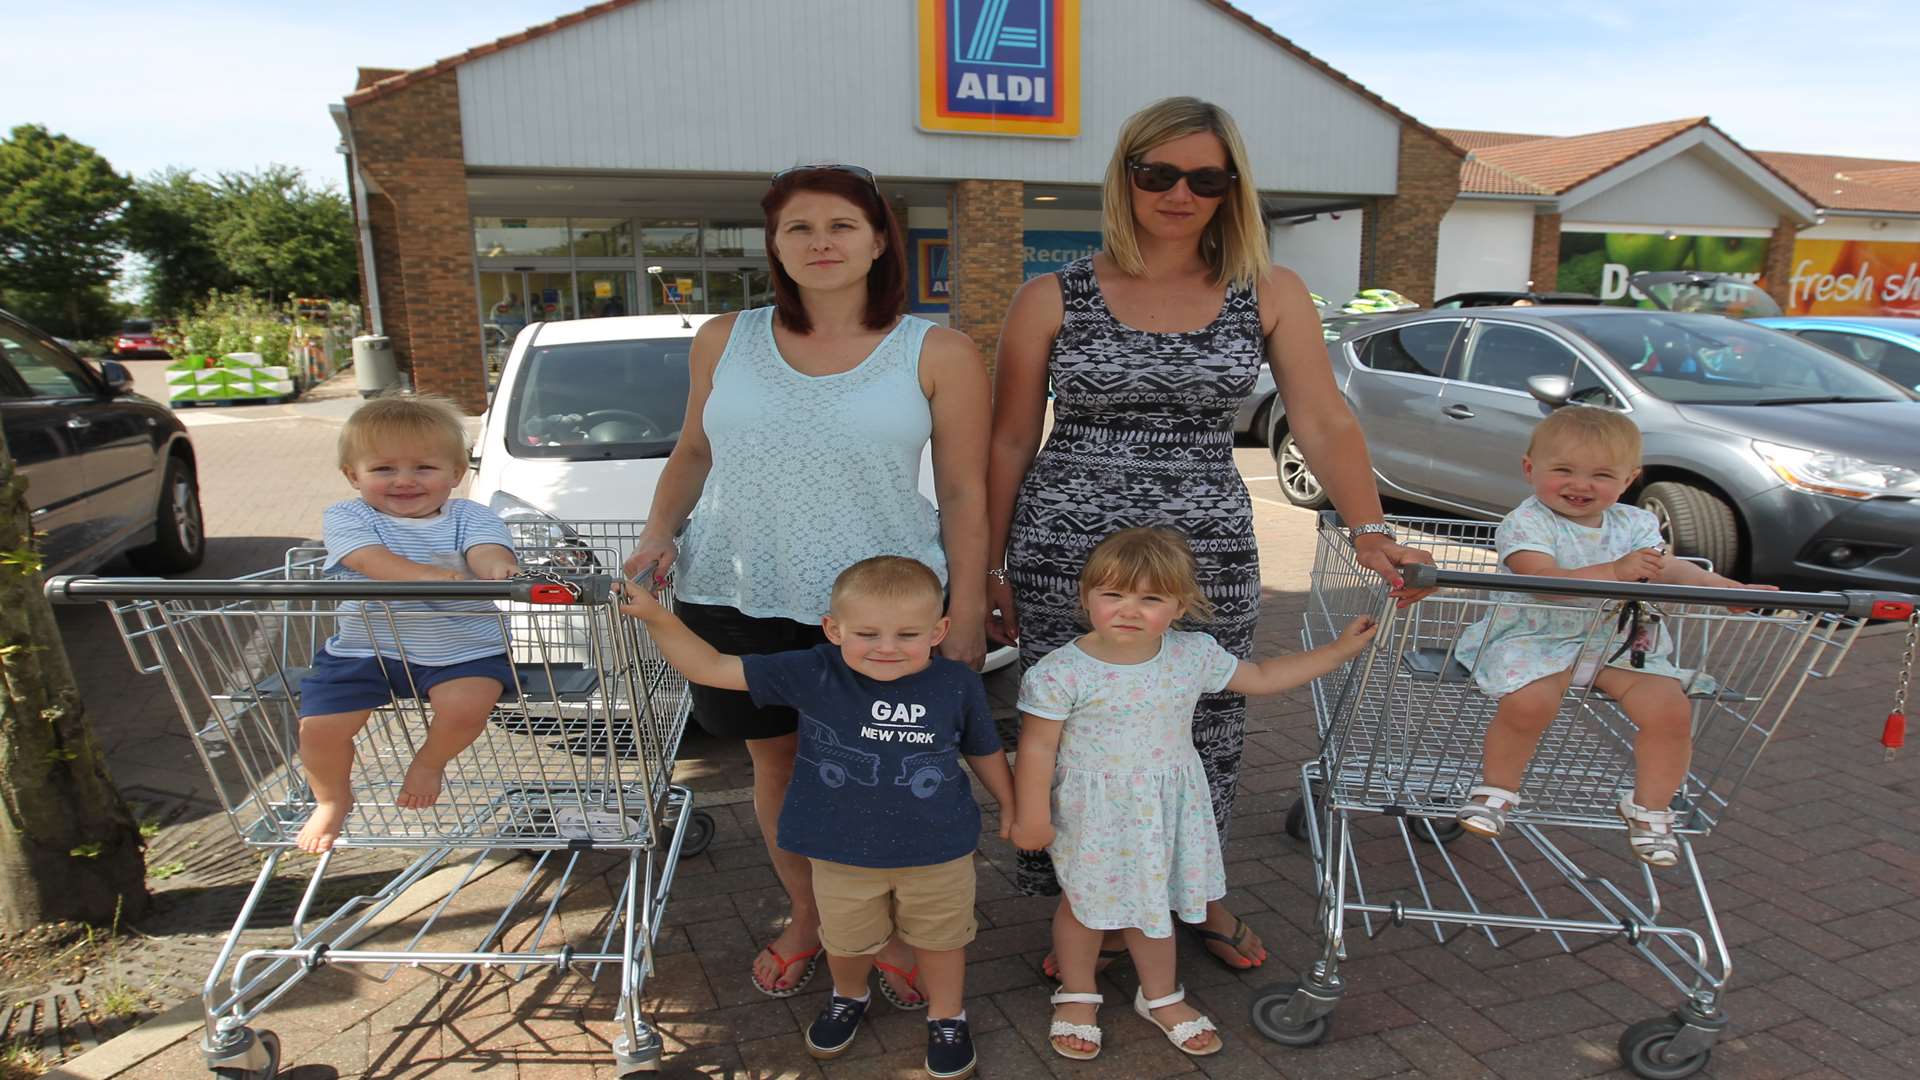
(404, 455)
(878, 801)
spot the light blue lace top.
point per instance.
(810, 474)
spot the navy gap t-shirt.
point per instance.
(878, 781)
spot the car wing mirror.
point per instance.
(118, 379)
(1553, 390)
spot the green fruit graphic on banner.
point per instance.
(1602, 263)
(1647, 251)
(1731, 254)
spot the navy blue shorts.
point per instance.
(344, 684)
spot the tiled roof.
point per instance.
(1557, 165)
(1469, 139)
(1850, 183)
(1484, 178)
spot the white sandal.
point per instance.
(1650, 832)
(1488, 818)
(1181, 1032)
(1067, 1029)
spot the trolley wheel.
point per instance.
(268, 1042)
(1266, 1018)
(1445, 832)
(1643, 1050)
(1297, 820)
(699, 834)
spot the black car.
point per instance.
(108, 471)
(1511, 298)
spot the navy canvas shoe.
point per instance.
(949, 1049)
(833, 1030)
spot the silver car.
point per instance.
(1777, 461)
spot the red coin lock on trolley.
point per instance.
(1894, 735)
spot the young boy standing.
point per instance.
(878, 802)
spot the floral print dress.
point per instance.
(1134, 835)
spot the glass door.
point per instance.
(550, 296)
(736, 288)
(606, 293)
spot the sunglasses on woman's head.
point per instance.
(1158, 176)
(851, 170)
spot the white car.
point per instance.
(580, 428)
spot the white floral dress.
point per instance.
(1514, 646)
(1134, 836)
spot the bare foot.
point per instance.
(1112, 947)
(421, 788)
(1242, 948)
(323, 826)
(794, 941)
(1172, 1016)
(899, 957)
(1076, 1013)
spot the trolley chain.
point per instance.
(1894, 735)
(550, 578)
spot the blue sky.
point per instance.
(229, 85)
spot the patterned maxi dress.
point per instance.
(1142, 435)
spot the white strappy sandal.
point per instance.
(1180, 1033)
(1486, 809)
(1067, 1029)
(1650, 832)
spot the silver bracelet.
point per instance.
(1380, 528)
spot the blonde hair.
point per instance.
(1235, 243)
(888, 577)
(404, 419)
(1157, 557)
(1587, 425)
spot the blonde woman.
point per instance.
(1150, 345)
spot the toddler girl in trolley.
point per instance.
(1580, 461)
(1107, 730)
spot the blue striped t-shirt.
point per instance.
(363, 628)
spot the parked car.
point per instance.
(138, 338)
(1773, 459)
(1254, 418)
(586, 413)
(1888, 345)
(108, 471)
(1703, 293)
(1511, 297)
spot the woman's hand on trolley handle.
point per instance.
(653, 554)
(1384, 557)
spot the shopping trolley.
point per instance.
(575, 761)
(1401, 728)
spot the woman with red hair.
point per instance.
(800, 456)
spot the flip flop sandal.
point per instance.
(1233, 941)
(893, 996)
(1107, 957)
(1181, 1032)
(811, 956)
(1067, 1029)
(1650, 833)
(1489, 817)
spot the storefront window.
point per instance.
(736, 239)
(670, 238)
(737, 289)
(602, 238)
(506, 237)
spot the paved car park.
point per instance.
(1817, 876)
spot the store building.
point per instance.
(541, 176)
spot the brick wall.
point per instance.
(410, 148)
(1777, 275)
(1544, 265)
(986, 259)
(1400, 233)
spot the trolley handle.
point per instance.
(1855, 603)
(532, 589)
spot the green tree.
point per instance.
(61, 228)
(279, 237)
(69, 848)
(170, 223)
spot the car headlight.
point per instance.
(1837, 474)
(544, 542)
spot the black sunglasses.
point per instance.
(1158, 176)
(852, 170)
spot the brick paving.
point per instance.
(1816, 877)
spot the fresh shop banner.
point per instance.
(1855, 277)
(1601, 263)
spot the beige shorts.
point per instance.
(929, 907)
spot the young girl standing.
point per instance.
(1106, 727)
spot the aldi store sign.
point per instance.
(1000, 67)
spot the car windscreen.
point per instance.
(600, 400)
(1710, 360)
(1721, 296)
(137, 326)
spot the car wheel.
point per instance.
(180, 535)
(1257, 430)
(1297, 481)
(1695, 523)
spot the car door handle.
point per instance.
(1458, 412)
(78, 423)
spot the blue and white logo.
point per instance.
(1000, 33)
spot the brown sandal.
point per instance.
(1235, 941)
